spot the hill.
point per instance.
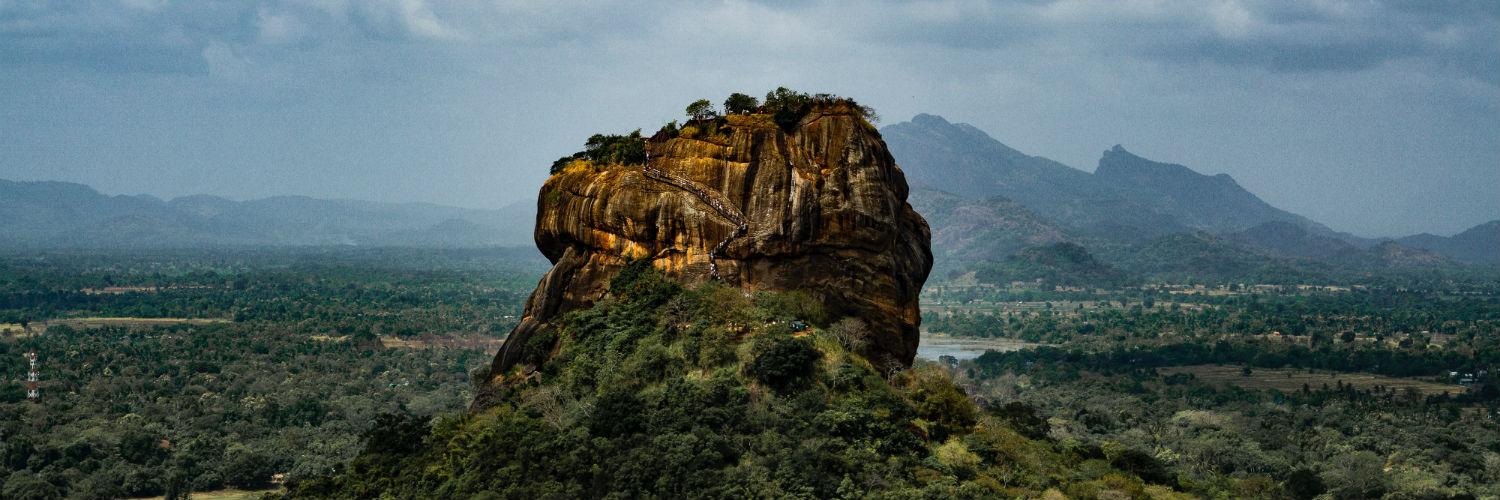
(1058, 264)
(1213, 203)
(966, 230)
(662, 392)
(985, 201)
(1201, 257)
(1479, 244)
(964, 161)
(67, 215)
(1127, 199)
(1285, 239)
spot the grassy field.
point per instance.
(95, 322)
(490, 345)
(1290, 379)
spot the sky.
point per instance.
(1379, 118)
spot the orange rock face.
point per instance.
(823, 210)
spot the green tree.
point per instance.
(740, 103)
(1356, 476)
(701, 109)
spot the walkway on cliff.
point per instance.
(714, 199)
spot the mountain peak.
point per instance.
(927, 120)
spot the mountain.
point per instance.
(60, 214)
(1058, 264)
(963, 160)
(976, 229)
(1201, 257)
(1213, 203)
(1479, 244)
(1285, 239)
(1390, 254)
(811, 203)
(731, 314)
(1127, 199)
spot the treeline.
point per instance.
(361, 296)
(1325, 318)
(1387, 362)
(783, 106)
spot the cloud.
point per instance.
(399, 20)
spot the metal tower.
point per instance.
(31, 392)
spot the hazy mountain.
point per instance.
(963, 160)
(1214, 203)
(1200, 257)
(967, 230)
(1390, 254)
(59, 214)
(1064, 264)
(1285, 239)
(1127, 199)
(1480, 244)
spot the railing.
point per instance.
(714, 199)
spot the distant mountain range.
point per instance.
(68, 215)
(986, 201)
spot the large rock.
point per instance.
(824, 209)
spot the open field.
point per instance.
(15, 330)
(1290, 379)
(116, 321)
(116, 290)
(490, 345)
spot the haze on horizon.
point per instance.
(1376, 118)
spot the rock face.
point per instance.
(823, 210)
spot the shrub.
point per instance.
(1022, 418)
(787, 364)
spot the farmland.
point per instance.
(1293, 380)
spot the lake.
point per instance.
(933, 345)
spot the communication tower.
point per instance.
(31, 392)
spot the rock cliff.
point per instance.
(818, 206)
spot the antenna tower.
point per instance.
(31, 392)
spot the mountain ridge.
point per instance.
(1127, 200)
(42, 214)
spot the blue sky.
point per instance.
(1377, 118)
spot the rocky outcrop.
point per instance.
(822, 209)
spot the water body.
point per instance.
(933, 345)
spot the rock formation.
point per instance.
(819, 207)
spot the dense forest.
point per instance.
(283, 382)
(346, 373)
(1379, 391)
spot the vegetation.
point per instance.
(1259, 391)
(1058, 264)
(629, 149)
(738, 103)
(347, 371)
(702, 110)
(288, 387)
(660, 392)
